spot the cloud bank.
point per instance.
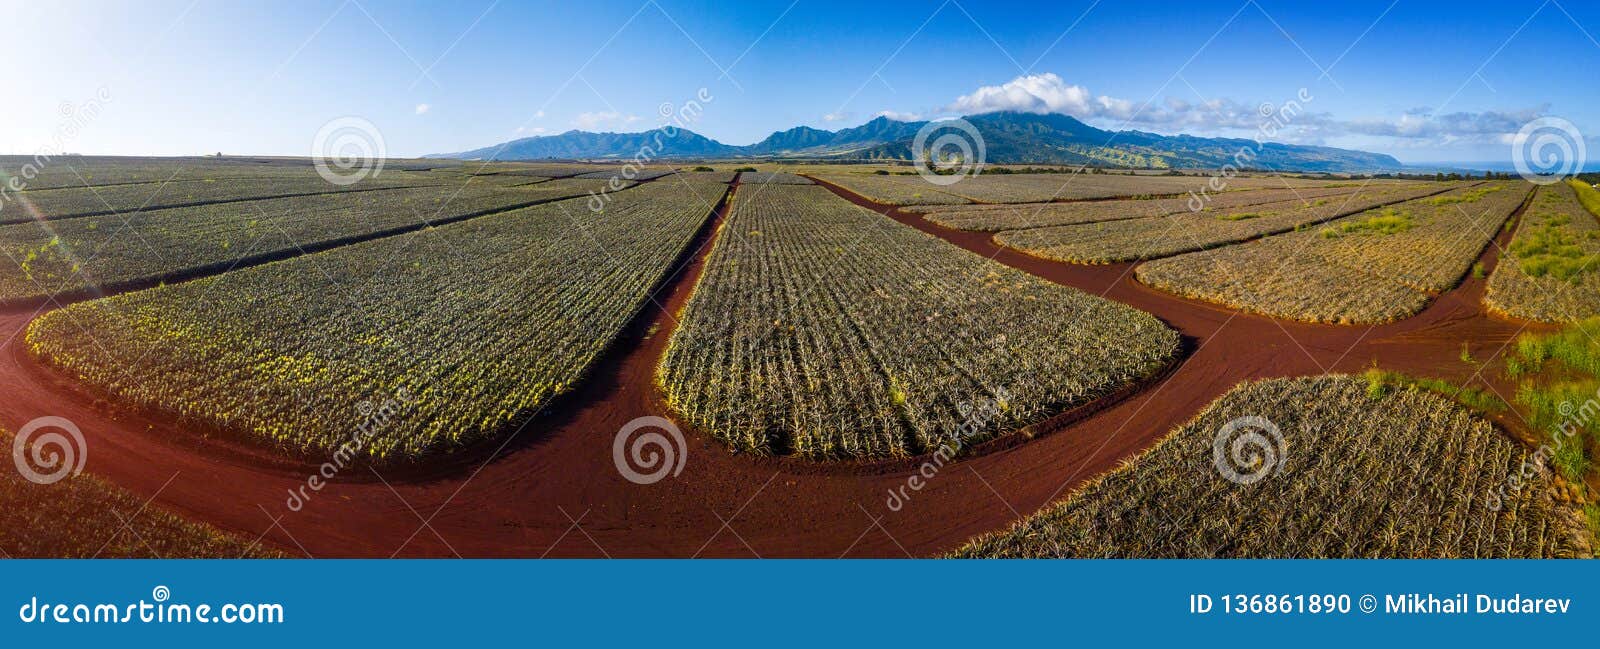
(1049, 93)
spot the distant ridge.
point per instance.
(1009, 138)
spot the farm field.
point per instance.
(84, 171)
(771, 178)
(895, 190)
(1373, 267)
(130, 199)
(1037, 188)
(81, 171)
(465, 328)
(843, 341)
(1020, 216)
(1162, 236)
(708, 176)
(641, 174)
(548, 170)
(1552, 273)
(912, 190)
(85, 517)
(674, 280)
(451, 179)
(1362, 471)
(856, 337)
(85, 254)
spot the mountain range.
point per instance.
(1008, 137)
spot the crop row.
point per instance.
(402, 346)
(895, 190)
(128, 199)
(80, 171)
(550, 170)
(1552, 271)
(1376, 266)
(1162, 236)
(771, 178)
(1039, 188)
(723, 177)
(1019, 216)
(626, 173)
(493, 180)
(913, 190)
(1347, 470)
(826, 330)
(80, 255)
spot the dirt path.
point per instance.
(554, 490)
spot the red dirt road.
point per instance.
(554, 490)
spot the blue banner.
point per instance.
(794, 603)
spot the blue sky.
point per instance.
(1422, 81)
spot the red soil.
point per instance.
(554, 490)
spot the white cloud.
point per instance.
(837, 117)
(899, 116)
(603, 119)
(537, 130)
(1049, 93)
(1034, 93)
(422, 109)
(539, 115)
